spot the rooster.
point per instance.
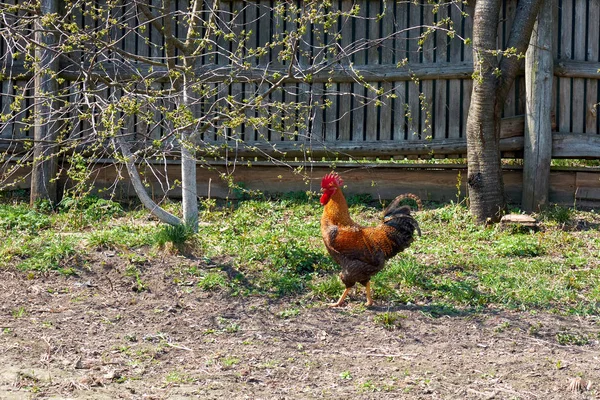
(362, 251)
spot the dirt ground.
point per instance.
(100, 335)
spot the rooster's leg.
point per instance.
(369, 298)
(341, 300)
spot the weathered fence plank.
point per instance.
(538, 121)
(45, 163)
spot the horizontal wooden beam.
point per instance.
(576, 69)
(378, 149)
(511, 140)
(564, 145)
(339, 73)
(575, 145)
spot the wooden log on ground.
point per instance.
(519, 220)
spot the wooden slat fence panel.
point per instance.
(578, 100)
(383, 33)
(592, 101)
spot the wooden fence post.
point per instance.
(43, 186)
(539, 66)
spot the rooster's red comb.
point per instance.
(331, 178)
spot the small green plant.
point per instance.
(122, 236)
(131, 338)
(437, 310)
(282, 282)
(572, 338)
(177, 377)
(346, 375)
(289, 313)
(133, 271)
(232, 328)
(212, 281)
(359, 199)
(502, 327)
(229, 362)
(368, 386)
(227, 325)
(19, 312)
(208, 205)
(534, 329)
(389, 320)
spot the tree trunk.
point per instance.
(139, 188)
(486, 188)
(43, 185)
(539, 67)
(188, 167)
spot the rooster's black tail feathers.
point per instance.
(399, 217)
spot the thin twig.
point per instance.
(177, 346)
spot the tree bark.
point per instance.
(492, 81)
(538, 125)
(139, 188)
(486, 188)
(43, 185)
(188, 167)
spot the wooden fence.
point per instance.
(434, 108)
(420, 109)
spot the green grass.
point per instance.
(389, 320)
(273, 248)
(212, 281)
(21, 218)
(178, 235)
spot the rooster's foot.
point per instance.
(369, 302)
(341, 300)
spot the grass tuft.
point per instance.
(557, 214)
(389, 320)
(212, 281)
(178, 235)
(327, 288)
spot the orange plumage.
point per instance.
(362, 251)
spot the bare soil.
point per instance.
(104, 334)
